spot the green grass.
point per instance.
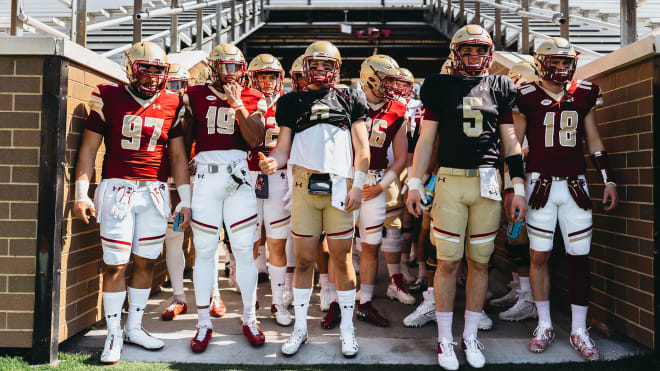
(71, 361)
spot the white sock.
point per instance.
(333, 292)
(300, 306)
(444, 320)
(277, 283)
(543, 307)
(203, 315)
(137, 301)
(366, 293)
(524, 285)
(175, 259)
(112, 304)
(471, 324)
(578, 317)
(323, 280)
(346, 305)
(422, 269)
(393, 269)
(246, 276)
(261, 259)
(288, 281)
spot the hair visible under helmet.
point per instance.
(321, 50)
(471, 34)
(139, 58)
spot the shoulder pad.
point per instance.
(526, 89)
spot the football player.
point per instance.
(297, 74)
(467, 201)
(387, 125)
(557, 114)
(332, 122)
(178, 78)
(136, 122)
(266, 75)
(227, 119)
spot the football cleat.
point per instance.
(507, 300)
(366, 312)
(446, 356)
(254, 334)
(325, 298)
(418, 286)
(396, 290)
(349, 344)
(524, 308)
(140, 336)
(294, 342)
(113, 345)
(173, 310)
(333, 317)
(218, 308)
(485, 323)
(543, 336)
(408, 277)
(202, 338)
(473, 352)
(281, 314)
(582, 342)
(424, 313)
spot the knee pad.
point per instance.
(519, 254)
(449, 251)
(392, 233)
(481, 252)
(580, 247)
(391, 244)
(579, 279)
(205, 246)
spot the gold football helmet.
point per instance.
(405, 81)
(266, 63)
(139, 58)
(523, 72)
(446, 68)
(472, 34)
(378, 73)
(227, 64)
(178, 78)
(555, 47)
(326, 51)
(296, 72)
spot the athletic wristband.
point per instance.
(414, 184)
(516, 166)
(389, 178)
(236, 104)
(184, 193)
(602, 164)
(358, 179)
(238, 107)
(519, 189)
(82, 188)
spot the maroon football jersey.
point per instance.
(555, 130)
(272, 132)
(216, 126)
(383, 124)
(135, 131)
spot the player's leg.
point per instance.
(176, 262)
(322, 262)
(520, 298)
(425, 311)
(290, 266)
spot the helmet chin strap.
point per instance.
(138, 92)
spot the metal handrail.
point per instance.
(191, 5)
(41, 26)
(555, 18)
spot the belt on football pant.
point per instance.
(215, 168)
(460, 172)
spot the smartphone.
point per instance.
(177, 221)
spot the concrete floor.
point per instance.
(505, 343)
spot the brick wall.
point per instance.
(20, 123)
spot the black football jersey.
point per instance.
(467, 112)
(301, 110)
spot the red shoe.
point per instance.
(254, 334)
(218, 308)
(582, 342)
(202, 338)
(173, 310)
(366, 312)
(333, 316)
(543, 336)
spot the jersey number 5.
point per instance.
(132, 129)
(220, 120)
(568, 122)
(473, 124)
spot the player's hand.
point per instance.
(508, 198)
(353, 199)
(610, 198)
(233, 91)
(520, 204)
(371, 192)
(268, 165)
(187, 217)
(81, 207)
(414, 203)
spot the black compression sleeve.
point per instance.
(516, 167)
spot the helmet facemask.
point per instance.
(261, 81)
(475, 69)
(555, 73)
(148, 83)
(320, 77)
(227, 71)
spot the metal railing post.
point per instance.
(477, 13)
(628, 21)
(232, 31)
(245, 17)
(174, 29)
(524, 32)
(81, 23)
(254, 13)
(16, 25)
(498, 27)
(218, 23)
(262, 14)
(461, 11)
(137, 23)
(565, 11)
(200, 28)
(449, 14)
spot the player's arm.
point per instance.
(514, 161)
(400, 149)
(362, 156)
(188, 125)
(181, 175)
(91, 141)
(421, 159)
(251, 126)
(600, 160)
(280, 154)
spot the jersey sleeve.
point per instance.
(508, 93)
(429, 94)
(359, 109)
(285, 111)
(96, 118)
